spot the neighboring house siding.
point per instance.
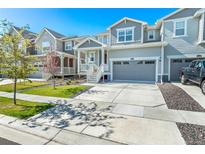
(89, 44)
(45, 37)
(157, 36)
(137, 31)
(182, 45)
(204, 29)
(184, 13)
(59, 46)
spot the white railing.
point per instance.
(99, 73)
(65, 70)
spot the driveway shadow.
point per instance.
(78, 115)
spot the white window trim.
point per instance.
(125, 29)
(185, 28)
(149, 34)
(70, 43)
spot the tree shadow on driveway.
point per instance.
(77, 116)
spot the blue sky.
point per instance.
(78, 21)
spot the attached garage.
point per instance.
(138, 70)
(176, 65)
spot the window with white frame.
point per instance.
(125, 35)
(103, 39)
(151, 35)
(46, 46)
(180, 28)
(68, 45)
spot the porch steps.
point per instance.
(92, 78)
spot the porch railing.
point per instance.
(86, 67)
(66, 70)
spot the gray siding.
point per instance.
(45, 37)
(137, 31)
(182, 45)
(185, 13)
(89, 44)
(157, 36)
(59, 46)
(204, 29)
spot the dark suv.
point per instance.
(195, 73)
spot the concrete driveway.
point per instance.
(140, 94)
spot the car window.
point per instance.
(192, 64)
(204, 63)
(198, 65)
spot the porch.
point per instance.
(92, 59)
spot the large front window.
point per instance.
(125, 35)
(180, 28)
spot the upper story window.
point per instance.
(151, 35)
(68, 45)
(125, 35)
(180, 28)
(103, 39)
(46, 46)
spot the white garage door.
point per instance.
(141, 70)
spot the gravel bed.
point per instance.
(177, 99)
(192, 134)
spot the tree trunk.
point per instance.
(14, 100)
(54, 83)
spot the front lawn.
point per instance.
(21, 86)
(23, 109)
(60, 91)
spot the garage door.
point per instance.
(176, 66)
(134, 70)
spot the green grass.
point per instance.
(21, 86)
(23, 109)
(60, 91)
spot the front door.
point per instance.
(91, 57)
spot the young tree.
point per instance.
(15, 63)
(51, 67)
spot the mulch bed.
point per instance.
(192, 134)
(177, 99)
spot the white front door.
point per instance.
(91, 57)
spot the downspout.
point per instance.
(162, 53)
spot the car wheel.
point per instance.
(203, 87)
(183, 80)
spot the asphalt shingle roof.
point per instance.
(26, 33)
(55, 34)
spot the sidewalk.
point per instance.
(26, 133)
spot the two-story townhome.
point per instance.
(184, 32)
(129, 50)
(133, 50)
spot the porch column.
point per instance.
(78, 51)
(102, 57)
(62, 63)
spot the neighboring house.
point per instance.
(133, 50)
(26, 34)
(50, 41)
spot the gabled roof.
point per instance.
(199, 12)
(85, 40)
(124, 19)
(26, 34)
(55, 34)
(171, 14)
